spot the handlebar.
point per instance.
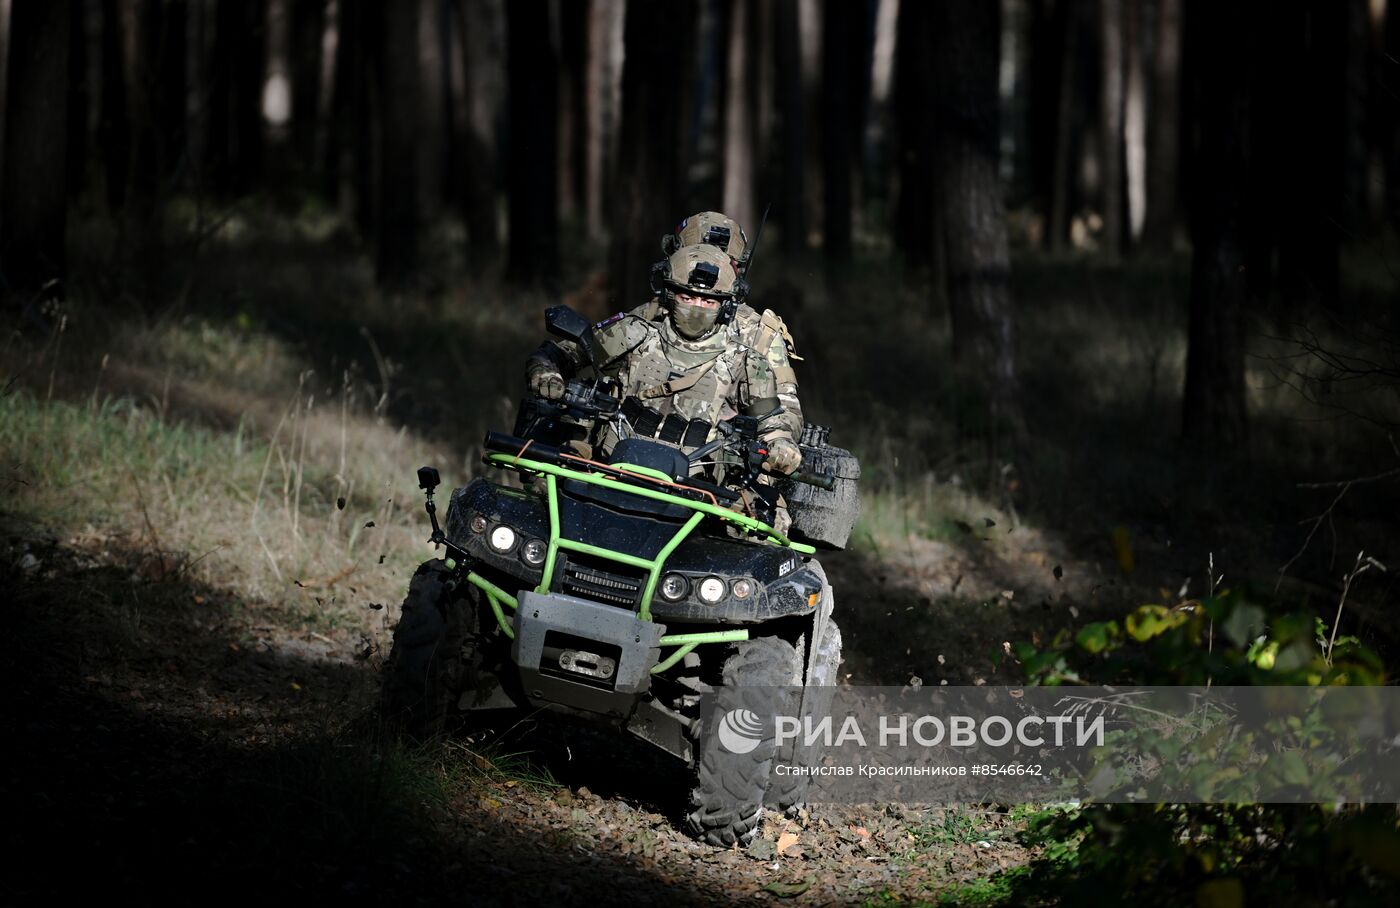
(501, 443)
(820, 480)
(587, 399)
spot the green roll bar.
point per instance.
(496, 596)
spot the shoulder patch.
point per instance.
(611, 319)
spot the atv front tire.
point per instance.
(788, 793)
(727, 800)
(434, 654)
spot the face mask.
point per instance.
(692, 321)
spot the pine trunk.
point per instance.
(838, 86)
(532, 168)
(33, 195)
(965, 51)
(647, 167)
(1111, 124)
(1213, 406)
(1163, 133)
(739, 118)
(396, 231)
(791, 209)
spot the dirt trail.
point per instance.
(172, 732)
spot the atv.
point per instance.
(626, 591)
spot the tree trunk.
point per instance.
(791, 209)
(454, 108)
(33, 197)
(763, 87)
(1135, 118)
(814, 113)
(965, 53)
(80, 92)
(114, 126)
(1389, 126)
(913, 105)
(838, 78)
(400, 87)
(1062, 155)
(739, 118)
(1354, 167)
(1163, 134)
(431, 109)
(1111, 125)
(1310, 240)
(171, 90)
(236, 70)
(4, 78)
(275, 90)
(482, 35)
(1277, 85)
(573, 49)
(647, 160)
(308, 27)
(532, 168)
(1213, 406)
(600, 99)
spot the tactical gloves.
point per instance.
(783, 456)
(547, 384)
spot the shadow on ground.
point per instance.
(164, 749)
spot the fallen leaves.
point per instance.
(789, 890)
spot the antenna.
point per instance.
(753, 249)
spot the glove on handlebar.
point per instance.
(547, 384)
(783, 456)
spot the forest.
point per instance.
(1102, 294)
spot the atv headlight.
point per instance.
(742, 588)
(533, 552)
(674, 587)
(502, 539)
(711, 590)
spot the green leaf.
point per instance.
(1244, 623)
(1147, 621)
(1290, 767)
(1094, 638)
(1297, 655)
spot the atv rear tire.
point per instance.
(788, 793)
(434, 654)
(727, 800)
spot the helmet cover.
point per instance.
(710, 228)
(698, 270)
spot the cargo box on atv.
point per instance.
(820, 517)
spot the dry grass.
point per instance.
(217, 451)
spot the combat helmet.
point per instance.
(698, 270)
(711, 228)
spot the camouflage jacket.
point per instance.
(745, 367)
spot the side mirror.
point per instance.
(428, 478)
(566, 323)
(561, 321)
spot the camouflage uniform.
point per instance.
(742, 367)
(694, 355)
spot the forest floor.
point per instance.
(204, 555)
(176, 733)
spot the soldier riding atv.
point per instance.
(641, 574)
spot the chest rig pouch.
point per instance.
(671, 428)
